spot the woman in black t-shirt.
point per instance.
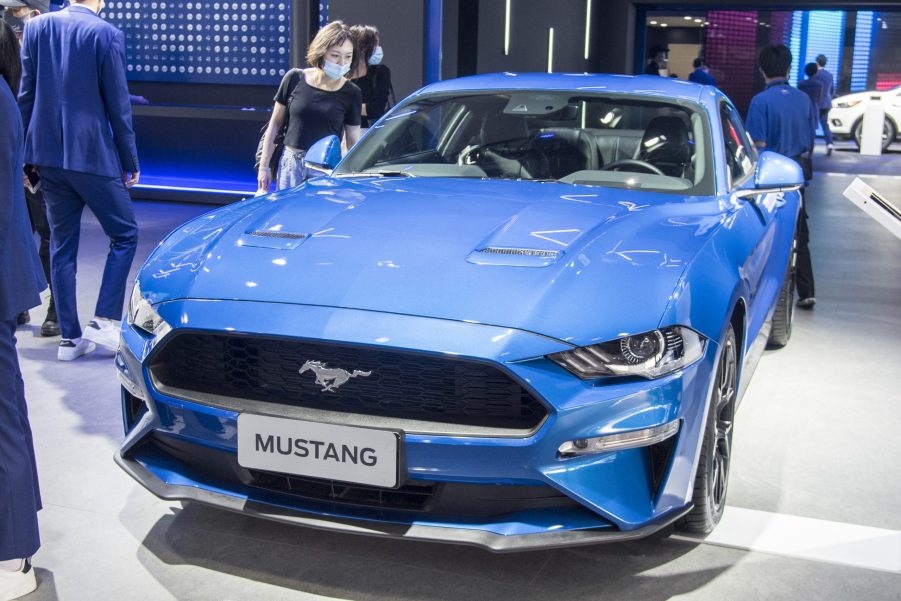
(371, 76)
(316, 102)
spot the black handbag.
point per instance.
(279, 140)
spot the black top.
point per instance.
(652, 68)
(316, 113)
(375, 86)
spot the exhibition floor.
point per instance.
(813, 500)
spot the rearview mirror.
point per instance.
(324, 154)
(774, 173)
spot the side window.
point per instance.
(740, 153)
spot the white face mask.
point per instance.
(377, 55)
(334, 70)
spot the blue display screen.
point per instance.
(204, 42)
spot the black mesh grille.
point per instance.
(412, 496)
(220, 468)
(402, 385)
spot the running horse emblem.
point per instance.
(331, 378)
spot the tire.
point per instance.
(712, 477)
(889, 131)
(782, 318)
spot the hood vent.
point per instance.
(514, 257)
(280, 235)
(522, 252)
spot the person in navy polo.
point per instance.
(75, 107)
(701, 74)
(21, 281)
(784, 119)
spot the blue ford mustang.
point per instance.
(519, 313)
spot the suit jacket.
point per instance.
(21, 277)
(74, 97)
(825, 77)
(813, 88)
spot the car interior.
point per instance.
(611, 141)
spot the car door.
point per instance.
(759, 221)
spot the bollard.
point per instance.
(872, 127)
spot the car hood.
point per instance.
(576, 263)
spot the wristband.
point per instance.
(265, 169)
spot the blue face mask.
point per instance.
(377, 55)
(334, 70)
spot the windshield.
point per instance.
(602, 140)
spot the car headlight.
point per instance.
(647, 355)
(846, 104)
(143, 316)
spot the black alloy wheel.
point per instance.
(712, 478)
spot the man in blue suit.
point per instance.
(828, 83)
(75, 107)
(21, 281)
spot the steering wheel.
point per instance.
(649, 167)
(470, 155)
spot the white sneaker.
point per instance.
(105, 332)
(73, 349)
(17, 584)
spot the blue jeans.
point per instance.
(824, 123)
(66, 194)
(291, 169)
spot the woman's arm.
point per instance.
(264, 175)
(351, 134)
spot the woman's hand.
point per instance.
(264, 180)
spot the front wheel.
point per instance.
(712, 478)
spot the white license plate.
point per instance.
(333, 452)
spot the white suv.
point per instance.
(846, 114)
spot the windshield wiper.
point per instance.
(385, 173)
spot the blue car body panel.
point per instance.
(399, 264)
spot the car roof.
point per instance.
(649, 85)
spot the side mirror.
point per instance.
(324, 154)
(775, 173)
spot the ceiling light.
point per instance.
(697, 20)
(687, 18)
(664, 25)
(653, 22)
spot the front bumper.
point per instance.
(842, 120)
(612, 496)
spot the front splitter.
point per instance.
(497, 543)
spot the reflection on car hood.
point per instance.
(572, 262)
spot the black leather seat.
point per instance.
(566, 150)
(665, 145)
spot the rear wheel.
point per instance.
(888, 133)
(782, 317)
(712, 478)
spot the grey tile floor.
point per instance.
(816, 437)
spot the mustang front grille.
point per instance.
(347, 379)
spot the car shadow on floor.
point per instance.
(357, 567)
